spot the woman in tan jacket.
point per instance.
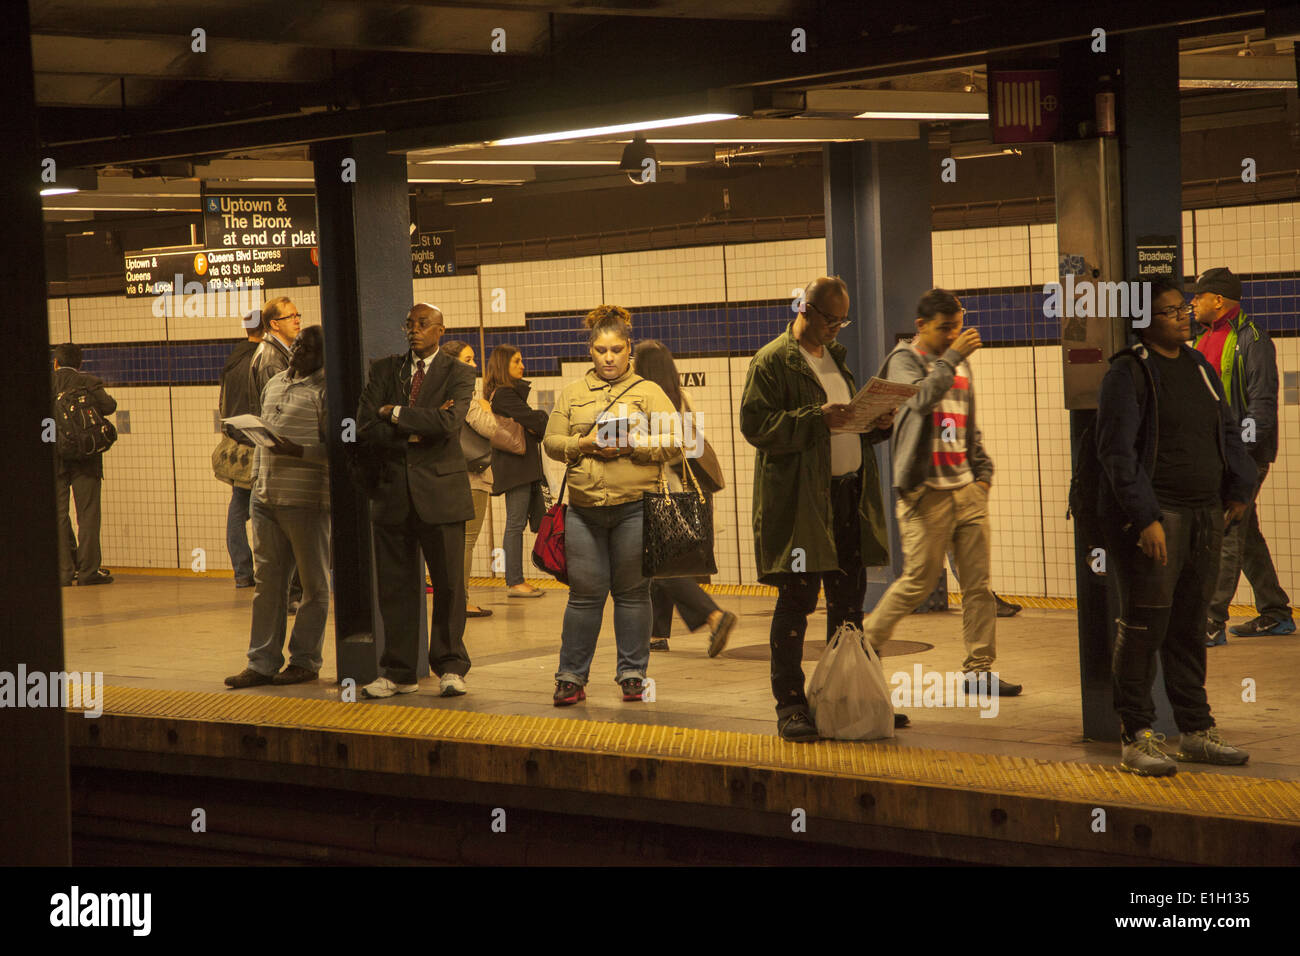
(610, 468)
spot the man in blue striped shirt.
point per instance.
(291, 521)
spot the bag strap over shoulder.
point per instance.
(565, 480)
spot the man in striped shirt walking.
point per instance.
(941, 480)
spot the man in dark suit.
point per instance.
(411, 413)
(79, 560)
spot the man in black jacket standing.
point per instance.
(236, 400)
(82, 478)
(411, 413)
(1174, 474)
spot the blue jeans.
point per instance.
(603, 550)
(512, 543)
(241, 555)
(282, 535)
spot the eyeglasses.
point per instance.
(843, 321)
(1174, 311)
(422, 327)
(292, 315)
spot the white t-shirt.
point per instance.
(846, 449)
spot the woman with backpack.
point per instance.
(518, 477)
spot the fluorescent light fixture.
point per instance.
(466, 202)
(517, 162)
(897, 104)
(71, 180)
(274, 179)
(59, 191)
(743, 139)
(922, 115)
(611, 130)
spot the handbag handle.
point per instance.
(565, 480)
(663, 481)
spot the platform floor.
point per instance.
(188, 633)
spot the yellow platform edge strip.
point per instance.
(726, 590)
(1200, 793)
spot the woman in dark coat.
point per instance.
(518, 477)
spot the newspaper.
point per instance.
(878, 397)
(254, 428)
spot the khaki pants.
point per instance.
(929, 522)
(472, 528)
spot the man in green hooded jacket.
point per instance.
(818, 514)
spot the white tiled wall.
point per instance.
(773, 270)
(665, 277)
(1249, 239)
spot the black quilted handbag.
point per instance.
(677, 532)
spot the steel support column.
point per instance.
(365, 268)
(877, 207)
(34, 814)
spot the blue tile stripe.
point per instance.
(1004, 316)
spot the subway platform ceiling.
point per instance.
(157, 98)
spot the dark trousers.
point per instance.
(1162, 611)
(846, 589)
(1244, 549)
(237, 515)
(401, 596)
(687, 596)
(83, 561)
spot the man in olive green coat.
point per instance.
(818, 513)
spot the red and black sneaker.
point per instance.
(567, 692)
(633, 688)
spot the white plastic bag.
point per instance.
(847, 694)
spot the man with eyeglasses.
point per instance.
(797, 391)
(1244, 359)
(281, 323)
(1174, 473)
(942, 476)
(411, 413)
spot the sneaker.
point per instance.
(797, 728)
(1145, 758)
(1263, 626)
(993, 684)
(99, 577)
(248, 678)
(1215, 635)
(658, 643)
(293, 674)
(1006, 608)
(452, 685)
(383, 687)
(720, 634)
(567, 692)
(1206, 746)
(633, 688)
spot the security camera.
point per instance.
(634, 163)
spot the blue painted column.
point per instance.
(877, 207)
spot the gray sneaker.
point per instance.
(1145, 758)
(1206, 746)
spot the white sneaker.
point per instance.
(383, 687)
(453, 685)
(1145, 758)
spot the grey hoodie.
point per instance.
(911, 441)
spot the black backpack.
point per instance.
(1089, 475)
(83, 432)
